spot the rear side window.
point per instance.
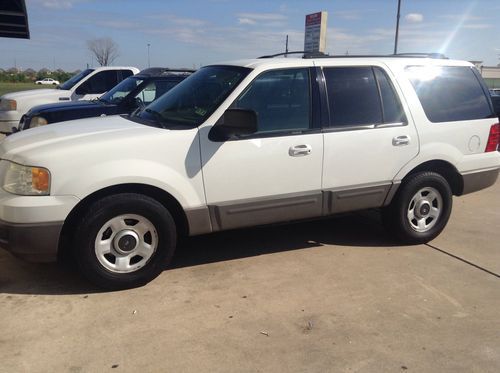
(361, 95)
(352, 96)
(125, 74)
(391, 106)
(449, 93)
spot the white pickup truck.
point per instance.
(87, 85)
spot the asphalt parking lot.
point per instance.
(335, 295)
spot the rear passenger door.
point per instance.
(370, 137)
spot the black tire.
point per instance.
(102, 212)
(396, 216)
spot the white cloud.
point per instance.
(246, 21)
(263, 16)
(263, 19)
(58, 4)
(477, 26)
(414, 17)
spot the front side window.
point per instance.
(280, 98)
(449, 93)
(116, 94)
(154, 90)
(193, 100)
(353, 96)
(99, 83)
(70, 83)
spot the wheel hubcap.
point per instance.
(425, 209)
(126, 243)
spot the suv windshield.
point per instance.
(118, 93)
(196, 98)
(70, 83)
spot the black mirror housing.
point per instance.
(234, 123)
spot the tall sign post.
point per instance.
(315, 33)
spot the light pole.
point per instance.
(397, 28)
(149, 62)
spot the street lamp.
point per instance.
(149, 62)
(397, 28)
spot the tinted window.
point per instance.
(449, 93)
(352, 96)
(392, 109)
(126, 73)
(281, 99)
(99, 83)
(154, 90)
(75, 79)
(117, 93)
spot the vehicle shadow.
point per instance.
(355, 230)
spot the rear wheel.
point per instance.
(124, 241)
(421, 208)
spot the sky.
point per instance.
(193, 33)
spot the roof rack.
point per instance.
(307, 55)
(304, 54)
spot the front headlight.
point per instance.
(8, 105)
(37, 122)
(25, 180)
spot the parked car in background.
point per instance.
(247, 143)
(131, 93)
(495, 91)
(89, 84)
(48, 81)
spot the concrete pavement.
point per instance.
(332, 296)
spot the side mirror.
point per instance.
(234, 123)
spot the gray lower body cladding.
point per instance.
(32, 242)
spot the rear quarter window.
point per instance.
(449, 93)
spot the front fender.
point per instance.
(188, 191)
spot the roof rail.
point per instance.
(429, 55)
(304, 53)
(323, 55)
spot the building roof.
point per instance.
(14, 19)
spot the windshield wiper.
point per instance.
(160, 120)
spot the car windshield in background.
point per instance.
(116, 94)
(68, 84)
(196, 98)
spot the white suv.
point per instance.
(87, 85)
(247, 143)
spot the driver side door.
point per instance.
(274, 174)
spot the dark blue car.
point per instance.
(136, 91)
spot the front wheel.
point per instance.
(124, 241)
(421, 208)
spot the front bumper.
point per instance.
(30, 226)
(31, 242)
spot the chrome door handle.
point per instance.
(299, 150)
(401, 140)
